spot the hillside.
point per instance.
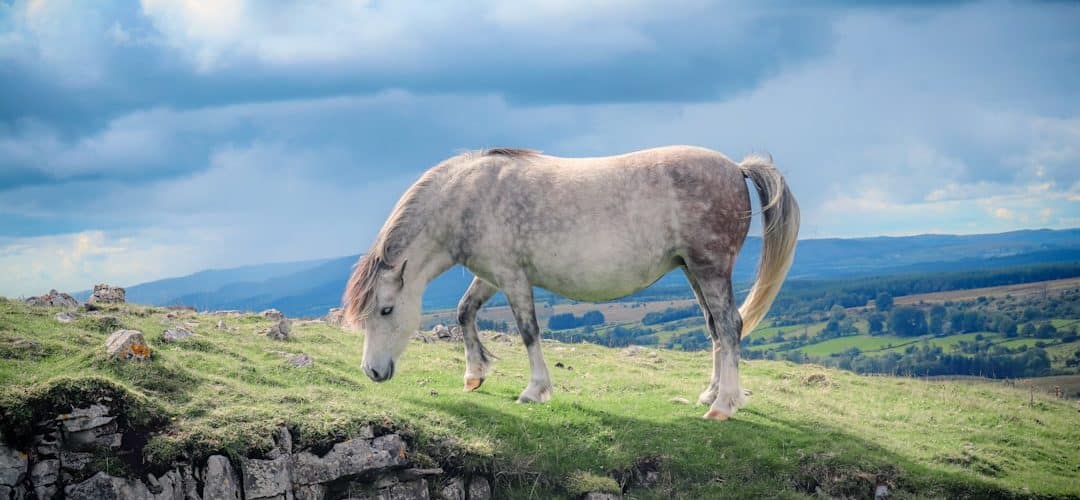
(309, 288)
(807, 430)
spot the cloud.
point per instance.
(185, 135)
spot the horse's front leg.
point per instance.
(477, 359)
(519, 294)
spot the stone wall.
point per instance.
(69, 453)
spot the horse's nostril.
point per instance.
(375, 373)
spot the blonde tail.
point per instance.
(781, 230)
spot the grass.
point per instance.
(807, 430)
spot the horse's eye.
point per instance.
(386, 311)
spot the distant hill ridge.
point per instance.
(309, 288)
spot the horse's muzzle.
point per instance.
(380, 375)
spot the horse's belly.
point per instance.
(599, 279)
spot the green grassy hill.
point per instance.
(806, 431)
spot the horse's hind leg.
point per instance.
(477, 358)
(519, 294)
(709, 394)
(724, 395)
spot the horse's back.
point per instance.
(599, 228)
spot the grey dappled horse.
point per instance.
(589, 229)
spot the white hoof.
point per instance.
(535, 394)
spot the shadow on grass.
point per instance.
(754, 455)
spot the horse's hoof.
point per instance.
(542, 396)
(714, 414)
(472, 384)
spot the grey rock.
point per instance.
(74, 460)
(279, 330)
(47, 491)
(266, 478)
(441, 332)
(600, 495)
(66, 316)
(170, 486)
(102, 485)
(12, 493)
(479, 488)
(220, 480)
(107, 294)
(454, 489)
(103, 436)
(53, 299)
(47, 445)
(13, 466)
(127, 345)
(45, 472)
(309, 492)
(221, 325)
(352, 457)
(408, 490)
(272, 314)
(336, 317)
(301, 361)
(81, 419)
(176, 335)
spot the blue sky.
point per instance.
(154, 139)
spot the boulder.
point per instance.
(53, 299)
(176, 335)
(81, 419)
(221, 481)
(279, 330)
(441, 332)
(13, 466)
(348, 458)
(272, 314)
(266, 478)
(221, 325)
(479, 489)
(44, 474)
(454, 489)
(102, 485)
(126, 345)
(107, 294)
(601, 495)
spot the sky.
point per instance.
(142, 140)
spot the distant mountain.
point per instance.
(309, 288)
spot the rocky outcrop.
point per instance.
(63, 462)
(53, 299)
(107, 294)
(66, 317)
(335, 317)
(127, 345)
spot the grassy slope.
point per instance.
(804, 427)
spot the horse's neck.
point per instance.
(430, 258)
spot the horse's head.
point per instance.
(381, 303)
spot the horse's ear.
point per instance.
(401, 274)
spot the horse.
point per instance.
(589, 229)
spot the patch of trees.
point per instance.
(489, 324)
(566, 321)
(799, 298)
(693, 340)
(671, 314)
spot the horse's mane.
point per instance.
(510, 152)
(400, 228)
